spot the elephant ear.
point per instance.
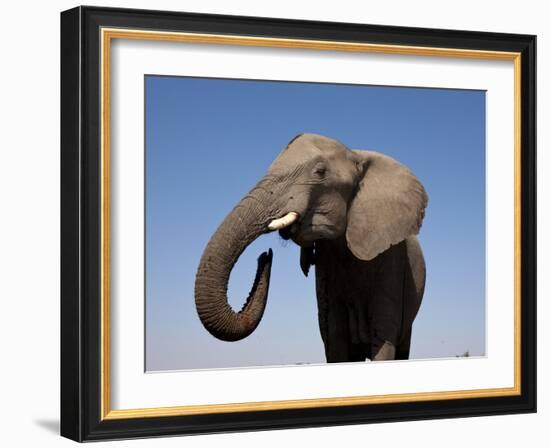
(387, 208)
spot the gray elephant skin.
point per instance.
(354, 214)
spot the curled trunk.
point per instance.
(242, 226)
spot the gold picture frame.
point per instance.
(102, 30)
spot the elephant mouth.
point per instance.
(287, 232)
(296, 232)
(291, 231)
(284, 222)
(304, 231)
(304, 234)
(286, 225)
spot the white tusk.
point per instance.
(285, 221)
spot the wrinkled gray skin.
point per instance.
(358, 214)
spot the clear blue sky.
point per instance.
(208, 141)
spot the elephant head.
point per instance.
(315, 189)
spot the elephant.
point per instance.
(355, 215)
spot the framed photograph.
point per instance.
(274, 223)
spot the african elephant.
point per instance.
(355, 215)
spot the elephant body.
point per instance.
(367, 308)
(355, 214)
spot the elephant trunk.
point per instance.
(246, 222)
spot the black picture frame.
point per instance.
(81, 413)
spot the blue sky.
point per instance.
(208, 141)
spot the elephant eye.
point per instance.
(320, 171)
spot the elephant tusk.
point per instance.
(285, 221)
